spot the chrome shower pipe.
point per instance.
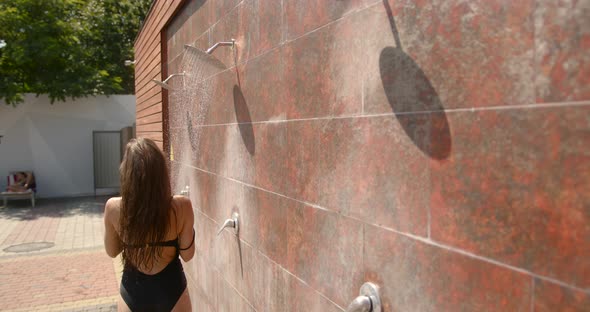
(164, 84)
(222, 43)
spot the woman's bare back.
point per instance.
(181, 228)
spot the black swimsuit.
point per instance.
(158, 292)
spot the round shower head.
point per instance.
(206, 57)
(162, 84)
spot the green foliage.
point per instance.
(67, 48)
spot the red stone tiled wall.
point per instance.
(436, 148)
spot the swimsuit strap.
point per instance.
(177, 239)
(175, 226)
(192, 242)
(171, 243)
(168, 243)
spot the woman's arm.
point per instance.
(29, 179)
(186, 236)
(112, 242)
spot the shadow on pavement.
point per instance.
(54, 207)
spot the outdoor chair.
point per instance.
(29, 193)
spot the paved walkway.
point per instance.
(52, 257)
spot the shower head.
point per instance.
(206, 57)
(164, 84)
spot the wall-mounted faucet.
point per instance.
(231, 223)
(368, 300)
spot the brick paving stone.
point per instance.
(70, 223)
(51, 279)
(73, 275)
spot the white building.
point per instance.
(56, 141)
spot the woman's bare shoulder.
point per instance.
(182, 204)
(112, 206)
(181, 201)
(114, 202)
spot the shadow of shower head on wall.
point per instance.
(244, 120)
(413, 99)
(191, 134)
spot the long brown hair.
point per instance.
(145, 204)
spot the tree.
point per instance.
(67, 48)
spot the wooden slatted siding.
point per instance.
(150, 50)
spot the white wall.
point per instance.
(55, 141)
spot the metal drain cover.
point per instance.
(26, 247)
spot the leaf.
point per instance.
(67, 48)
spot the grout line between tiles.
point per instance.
(455, 110)
(284, 40)
(330, 23)
(422, 239)
(258, 251)
(481, 258)
(300, 280)
(235, 289)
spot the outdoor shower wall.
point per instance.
(436, 148)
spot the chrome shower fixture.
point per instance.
(164, 84)
(206, 56)
(222, 43)
(231, 43)
(188, 46)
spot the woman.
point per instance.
(151, 229)
(23, 182)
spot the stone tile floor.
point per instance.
(73, 273)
